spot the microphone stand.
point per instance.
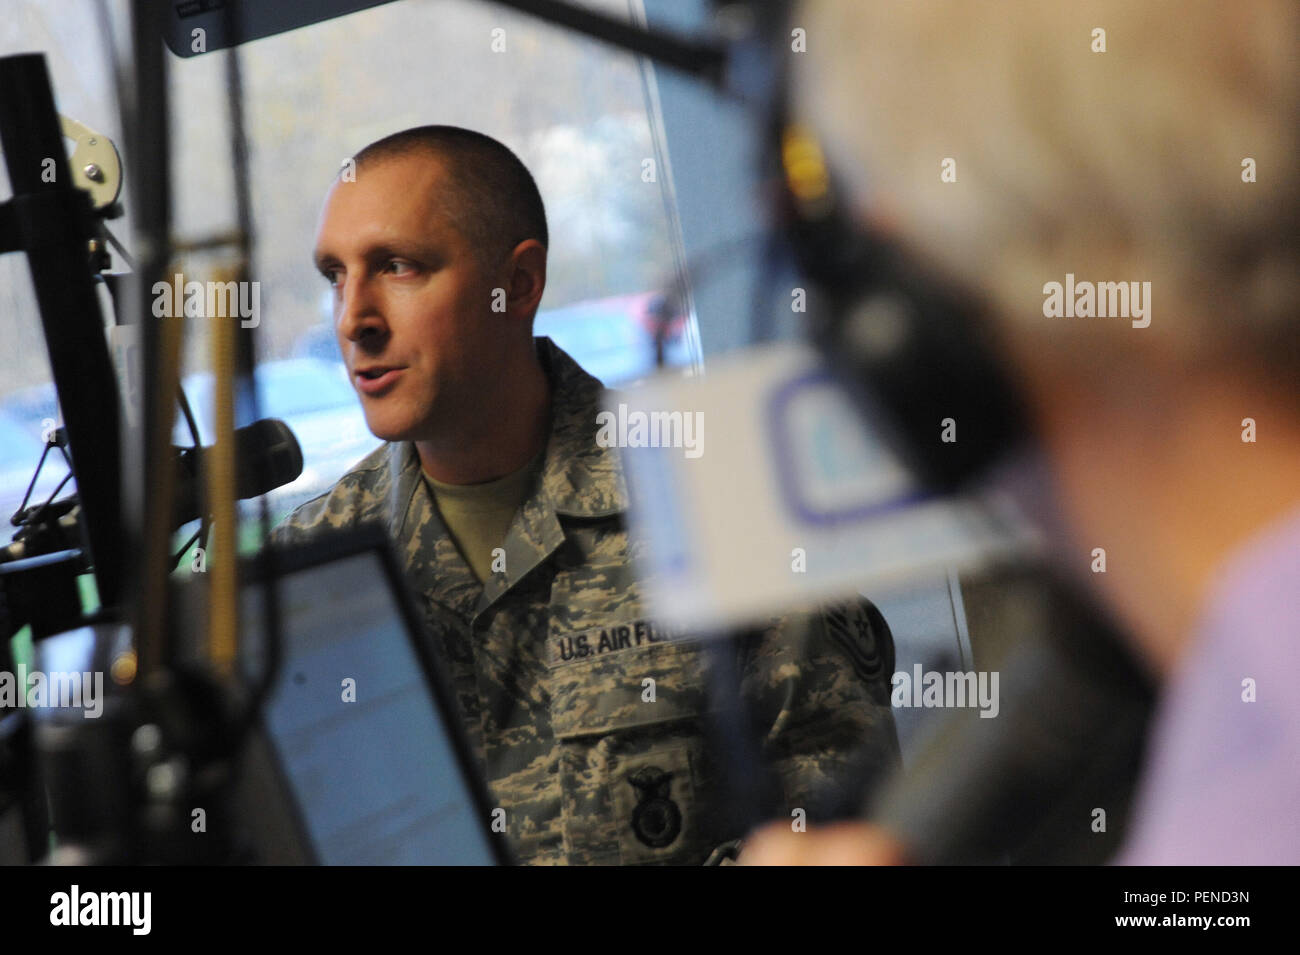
(120, 786)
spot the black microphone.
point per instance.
(267, 456)
(1076, 705)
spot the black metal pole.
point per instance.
(700, 58)
(51, 222)
(149, 162)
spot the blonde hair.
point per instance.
(1121, 165)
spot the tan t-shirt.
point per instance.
(478, 515)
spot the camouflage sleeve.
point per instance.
(360, 496)
(338, 508)
(818, 685)
(299, 526)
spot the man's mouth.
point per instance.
(376, 379)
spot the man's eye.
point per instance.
(398, 268)
(331, 276)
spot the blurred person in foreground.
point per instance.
(1165, 152)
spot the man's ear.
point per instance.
(526, 278)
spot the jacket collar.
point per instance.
(578, 478)
(581, 478)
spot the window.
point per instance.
(578, 114)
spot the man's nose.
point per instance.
(359, 315)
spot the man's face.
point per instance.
(412, 303)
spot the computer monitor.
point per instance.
(363, 738)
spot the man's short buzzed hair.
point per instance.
(494, 202)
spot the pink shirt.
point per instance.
(1221, 784)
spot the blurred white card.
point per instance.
(767, 491)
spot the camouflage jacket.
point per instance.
(549, 658)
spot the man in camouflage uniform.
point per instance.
(551, 653)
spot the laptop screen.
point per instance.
(360, 739)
